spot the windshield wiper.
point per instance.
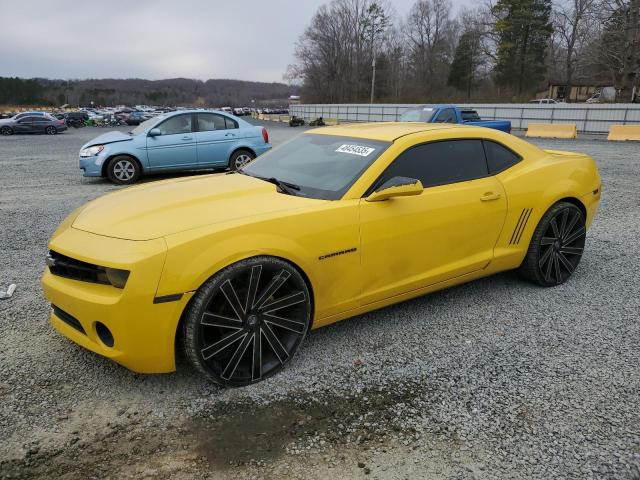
(285, 187)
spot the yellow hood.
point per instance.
(158, 209)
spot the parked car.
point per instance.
(136, 118)
(76, 119)
(544, 101)
(35, 122)
(238, 112)
(337, 222)
(184, 140)
(452, 114)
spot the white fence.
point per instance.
(589, 118)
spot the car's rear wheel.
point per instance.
(123, 170)
(51, 130)
(6, 130)
(247, 321)
(556, 246)
(239, 159)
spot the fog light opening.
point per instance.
(104, 334)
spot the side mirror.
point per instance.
(155, 132)
(396, 187)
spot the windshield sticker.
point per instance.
(355, 150)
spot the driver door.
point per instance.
(449, 230)
(175, 147)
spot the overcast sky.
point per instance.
(154, 39)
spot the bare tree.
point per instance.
(431, 35)
(573, 22)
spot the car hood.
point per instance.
(158, 209)
(109, 137)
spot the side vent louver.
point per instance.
(522, 223)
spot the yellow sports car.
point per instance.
(338, 221)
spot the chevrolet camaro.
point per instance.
(236, 268)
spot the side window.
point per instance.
(208, 122)
(499, 158)
(230, 123)
(448, 115)
(176, 125)
(440, 163)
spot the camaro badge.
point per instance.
(335, 254)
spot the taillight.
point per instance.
(265, 135)
(60, 122)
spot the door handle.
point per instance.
(186, 137)
(489, 196)
(229, 134)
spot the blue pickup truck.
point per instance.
(451, 114)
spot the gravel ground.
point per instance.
(493, 379)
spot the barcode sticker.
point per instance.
(355, 150)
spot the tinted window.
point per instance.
(499, 158)
(469, 115)
(176, 125)
(230, 123)
(448, 115)
(208, 122)
(439, 163)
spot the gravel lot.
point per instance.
(490, 380)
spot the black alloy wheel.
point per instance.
(556, 247)
(6, 130)
(51, 130)
(247, 321)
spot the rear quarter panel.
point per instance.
(533, 186)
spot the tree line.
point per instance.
(171, 92)
(504, 50)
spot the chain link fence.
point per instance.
(589, 118)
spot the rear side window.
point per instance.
(499, 158)
(208, 122)
(230, 123)
(439, 163)
(470, 115)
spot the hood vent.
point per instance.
(520, 226)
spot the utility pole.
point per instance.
(373, 78)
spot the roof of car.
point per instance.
(385, 131)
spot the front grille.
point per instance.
(68, 319)
(68, 267)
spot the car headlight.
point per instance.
(91, 151)
(117, 278)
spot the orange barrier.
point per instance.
(621, 133)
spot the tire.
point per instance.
(556, 246)
(123, 170)
(6, 130)
(239, 159)
(51, 130)
(235, 332)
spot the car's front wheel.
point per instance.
(556, 246)
(247, 321)
(6, 130)
(239, 159)
(123, 170)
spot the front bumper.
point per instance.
(143, 331)
(92, 166)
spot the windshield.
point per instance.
(422, 114)
(323, 166)
(146, 124)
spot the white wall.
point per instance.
(589, 118)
